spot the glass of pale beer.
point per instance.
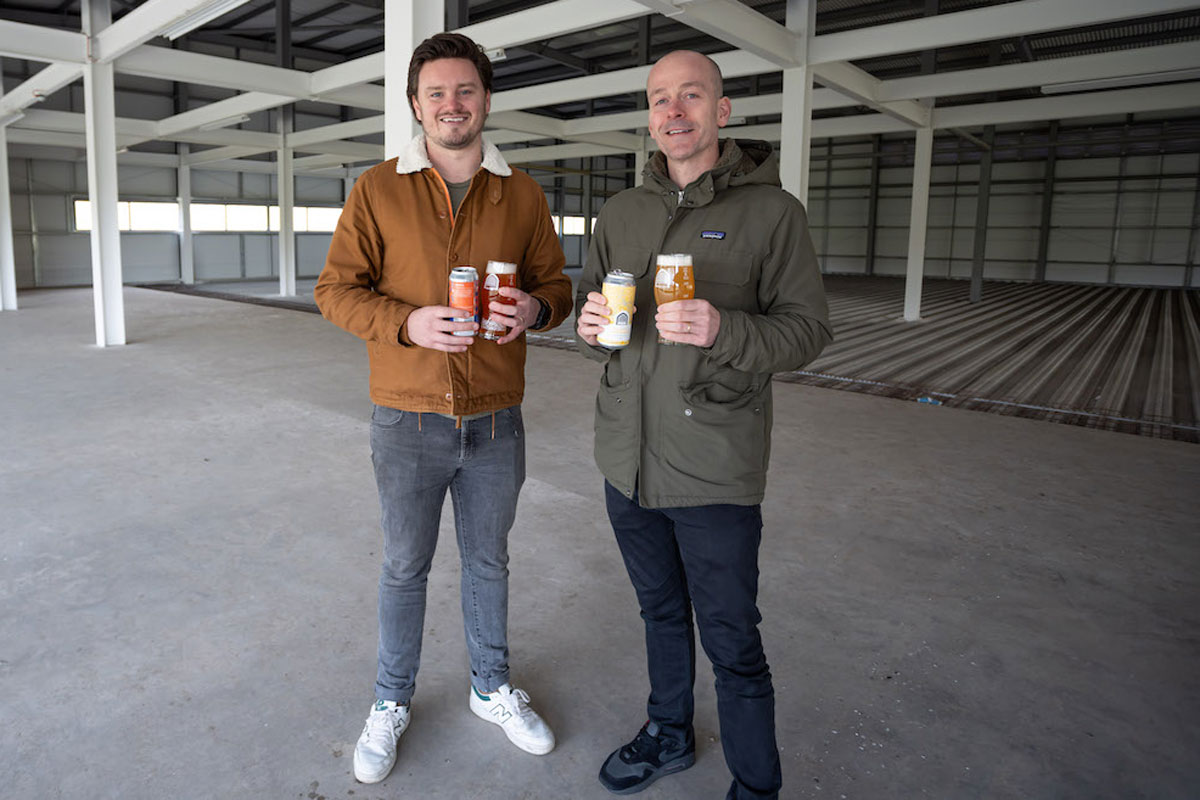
(673, 281)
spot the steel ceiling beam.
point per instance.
(1005, 21)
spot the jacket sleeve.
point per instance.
(590, 280)
(544, 262)
(345, 291)
(793, 324)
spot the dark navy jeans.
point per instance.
(704, 558)
(417, 460)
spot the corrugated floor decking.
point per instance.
(1118, 358)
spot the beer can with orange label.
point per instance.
(464, 296)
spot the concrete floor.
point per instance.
(956, 604)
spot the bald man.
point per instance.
(683, 428)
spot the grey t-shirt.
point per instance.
(457, 192)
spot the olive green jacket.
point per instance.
(681, 425)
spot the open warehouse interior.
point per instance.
(1004, 198)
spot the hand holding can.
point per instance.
(619, 290)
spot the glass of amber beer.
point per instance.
(499, 273)
(673, 281)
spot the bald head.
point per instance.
(703, 67)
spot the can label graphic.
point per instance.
(464, 296)
(619, 291)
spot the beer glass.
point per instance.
(673, 281)
(499, 273)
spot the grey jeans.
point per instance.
(417, 458)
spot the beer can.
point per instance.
(464, 296)
(499, 273)
(619, 291)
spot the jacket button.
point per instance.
(442, 214)
(449, 396)
(618, 399)
(687, 412)
(454, 256)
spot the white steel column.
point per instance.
(287, 232)
(922, 167)
(796, 142)
(406, 23)
(8, 264)
(101, 135)
(187, 259)
(639, 162)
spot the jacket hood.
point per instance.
(741, 162)
(414, 158)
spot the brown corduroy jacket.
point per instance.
(392, 253)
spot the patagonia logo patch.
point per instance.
(712, 234)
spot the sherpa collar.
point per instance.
(414, 158)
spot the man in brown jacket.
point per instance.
(447, 407)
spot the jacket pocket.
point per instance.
(724, 280)
(616, 444)
(717, 434)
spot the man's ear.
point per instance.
(416, 110)
(724, 109)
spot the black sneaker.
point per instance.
(644, 760)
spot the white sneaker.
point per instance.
(375, 753)
(509, 708)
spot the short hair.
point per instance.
(447, 45)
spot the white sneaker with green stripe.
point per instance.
(375, 753)
(509, 708)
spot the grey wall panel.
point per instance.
(1078, 244)
(65, 260)
(258, 187)
(262, 258)
(1076, 273)
(843, 264)
(318, 191)
(311, 249)
(1011, 244)
(52, 213)
(1032, 171)
(213, 185)
(1133, 245)
(1148, 275)
(1137, 208)
(848, 241)
(56, 176)
(891, 242)
(217, 256)
(848, 210)
(20, 211)
(146, 182)
(23, 255)
(1090, 210)
(890, 266)
(150, 257)
(1175, 207)
(1170, 246)
(1008, 210)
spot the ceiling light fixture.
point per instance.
(1122, 80)
(201, 15)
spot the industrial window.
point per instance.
(211, 217)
